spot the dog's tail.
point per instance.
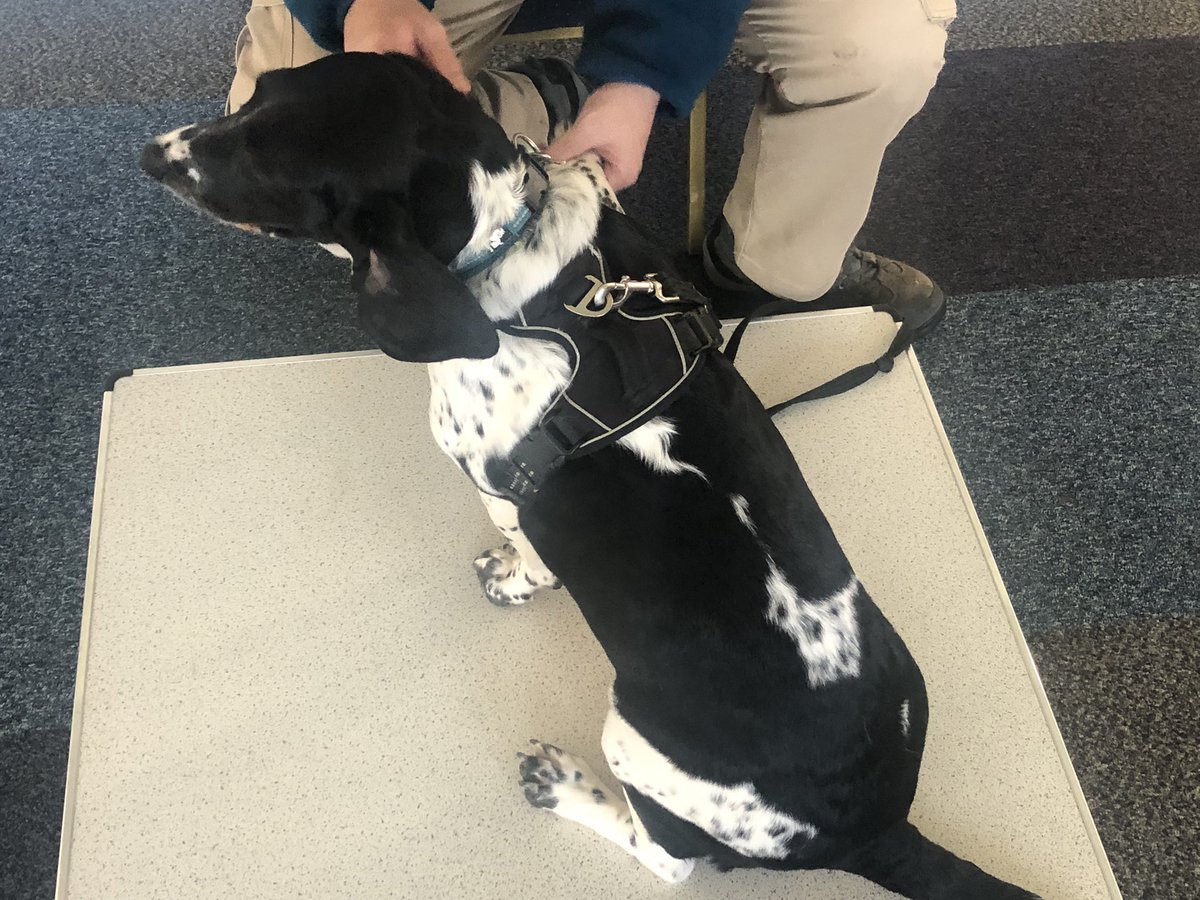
(905, 861)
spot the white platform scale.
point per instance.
(290, 683)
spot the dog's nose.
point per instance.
(154, 161)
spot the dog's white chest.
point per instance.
(480, 409)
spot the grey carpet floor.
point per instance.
(1053, 189)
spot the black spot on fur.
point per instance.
(486, 389)
(633, 840)
(504, 370)
(718, 798)
(540, 796)
(776, 830)
(598, 795)
(479, 429)
(578, 775)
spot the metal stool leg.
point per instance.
(697, 133)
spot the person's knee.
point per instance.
(894, 46)
(869, 46)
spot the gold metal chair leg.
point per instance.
(550, 34)
(697, 133)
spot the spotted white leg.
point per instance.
(567, 786)
(513, 571)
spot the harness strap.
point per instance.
(916, 320)
(634, 352)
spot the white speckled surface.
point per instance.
(294, 687)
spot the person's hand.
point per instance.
(403, 26)
(615, 124)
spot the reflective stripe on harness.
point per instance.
(632, 346)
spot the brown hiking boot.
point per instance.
(866, 279)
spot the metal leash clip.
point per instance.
(602, 298)
(530, 148)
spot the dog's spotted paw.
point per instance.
(506, 579)
(554, 779)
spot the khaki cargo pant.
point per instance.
(840, 79)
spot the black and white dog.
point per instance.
(764, 712)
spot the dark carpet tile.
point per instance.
(1049, 165)
(33, 767)
(1020, 23)
(1127, 698)
(66, 52)
(1072, 412)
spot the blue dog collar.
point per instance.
(501, 241)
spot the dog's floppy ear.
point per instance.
(409, 301)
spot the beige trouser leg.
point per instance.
(272, 39)
(842, 78)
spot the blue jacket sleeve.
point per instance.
(672, 46)
(323, 19)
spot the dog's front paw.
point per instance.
(554, 779)
(506, 579)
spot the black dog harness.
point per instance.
(632, 344)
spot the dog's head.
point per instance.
(370, 152)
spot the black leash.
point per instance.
(916, 319)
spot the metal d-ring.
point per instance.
(529, 147)
(599, 300)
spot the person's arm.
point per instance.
(381, 26)
(672, 46)
(648, 56)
